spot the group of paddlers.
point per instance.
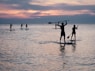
(62, 27)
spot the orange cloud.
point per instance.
(30, 13)
(65, 12)
(13, 13)
(8, 12)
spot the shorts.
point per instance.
(62, 33)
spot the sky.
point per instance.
(43, 11)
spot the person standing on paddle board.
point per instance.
(74, 31)
(62, 27)
(11, 27)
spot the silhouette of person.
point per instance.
(62, 27)
(74, 32)
(26, 25)
(21, 26)
(11, 27)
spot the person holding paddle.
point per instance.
(74, 32)
(62, 27)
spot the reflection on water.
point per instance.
(63, 52)
(39, 49)
(62, 48)
(72, 43)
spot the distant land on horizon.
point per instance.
(87, 19)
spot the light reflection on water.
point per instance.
(38, 49)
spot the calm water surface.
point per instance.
(38, 49)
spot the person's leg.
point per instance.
(75, 36)
(71, 36)
(60, 38)
(64, 37)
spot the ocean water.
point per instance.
(37, 48)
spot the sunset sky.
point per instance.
(34, 11)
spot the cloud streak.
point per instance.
(32, 9)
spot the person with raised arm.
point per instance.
(74, 31)
(62, 27)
